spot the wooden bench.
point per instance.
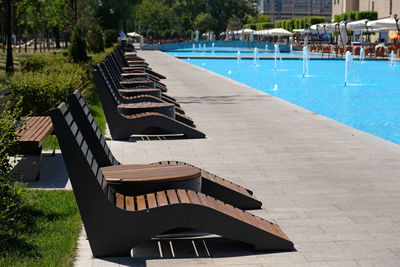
(31, 133)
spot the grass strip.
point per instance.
(48, 233)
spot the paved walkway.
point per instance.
(334, 190)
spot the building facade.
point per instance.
(287, 9)
(385, 8)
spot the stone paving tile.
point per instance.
(334, 190)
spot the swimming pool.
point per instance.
(371, 101)
(226, 51)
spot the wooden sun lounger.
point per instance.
(211, 184)
(116, 223)
(126, 67)
(127, 84)
(125, 102)
(117, 66)
(123, 126)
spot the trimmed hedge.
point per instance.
(45, 81)
(357, 15)
(259, 25)
(299, 23)
(41, 91)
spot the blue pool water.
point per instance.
(371, 101)
(225, 51)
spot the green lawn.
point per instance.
(48, 233)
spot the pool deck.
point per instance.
(335, 191)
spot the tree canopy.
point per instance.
(184, 15)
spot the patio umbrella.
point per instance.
(133, 34)
(383, 24)
(279, 32)
(332, 26)
(357, 25)
(248, 31)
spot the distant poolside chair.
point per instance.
(150, 121)
(115, 223)
(127, 101)
(129, 90)
(126, 67)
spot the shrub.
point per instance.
(77, 50)
(42, 91)
(7, 137)
(33, 63)
(95, 39)
(110, 38)
(39, 62)
(267, 25)
(11, 195)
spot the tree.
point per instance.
(110, 38)
(235, 23)
(77, 51)
(9, 60)
(204, 22)
(95, 39)
(181, 16)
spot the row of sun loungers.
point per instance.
(135, 101)
(124, 205)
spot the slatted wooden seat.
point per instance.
(122, 127)
(112, 61)
(31, 133)
(166, 109)
(115, 223)
(142, 91)
(110, 85)
(126, 68)
(210, 184)
(114, 66)
(137, 83)
(135, 74)
(114, 80)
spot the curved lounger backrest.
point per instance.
(114, 118)
(112, 85)
(91, 190)
(117, 59)
(105, 75)
(114, 74)
(90, 131)
(121, 55)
